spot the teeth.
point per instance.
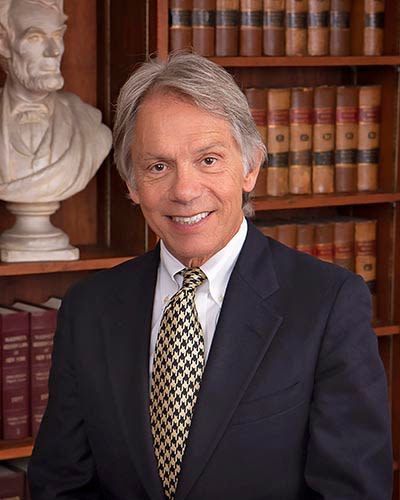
(190, 220)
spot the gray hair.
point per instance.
(198, 80)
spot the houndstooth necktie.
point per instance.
(177, 371)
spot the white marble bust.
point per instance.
(51, 142)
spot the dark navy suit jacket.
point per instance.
(293, 403)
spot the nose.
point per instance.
(52, 49)
(186, 185)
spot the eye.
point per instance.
(158, 168)
(34, 37)
(209, 161)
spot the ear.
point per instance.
(5, 51)
(250, 178)
(133, 195)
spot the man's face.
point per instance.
(36, 45)
(189, 177)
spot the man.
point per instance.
(51, 143)
(222, 364)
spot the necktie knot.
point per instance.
(192, 278)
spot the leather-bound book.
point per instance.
(305, 237)
(14, 334)
(339, 23)
(203, 26)
(180, 24)
(268, 229)
(278, 142)
(257, 99)
(42, 329)
(300, 156)
(344, 243)
(251, 13)
(324, 240)
(318, 27)
(20, 465)
(373, 27)
(365, 254)
(227, 28)
(12, 484)
(296, 27)
(274, 28)
(346, 139)
(368, 137)
(287, 234)
(323, 172)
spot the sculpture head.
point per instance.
(32, 45)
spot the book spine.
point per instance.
(251, 27)
(300, 156)
(270, 230)
(344, 244)
(324, 241)
(365, 254)
(318, 27)
(373, 27)
(227, 28)
(14, 374)
(287, 234)
(41, 350)
(305, 238)
(339, 23)
(203, 26)
(257, 99)
(368, 137)
(296, 27)
(324, 139)
(346, 139)
(274, 28)
(278, 106)
(180, 24)
(12, 483)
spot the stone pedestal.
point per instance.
(33, 237)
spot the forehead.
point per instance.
(24, 15)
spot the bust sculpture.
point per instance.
(51, 142)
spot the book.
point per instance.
(52, 303)
(368, 137)
(251, 27)
(324, 240)
(339, 28)
(42, 328)
(287, 234)
(373, 27)
(203, 27)
(268, 229)
(346, 139)
(300, 153)
(318, 27)
(343, 254)
(305, 237)
(274, 28)
(323, 170)
(180, 24)
(257, 99)
(365, 255)
(14, 334)
(12, 484)
(20, 465)
(227, 28)
(296, 27)
(278, 105)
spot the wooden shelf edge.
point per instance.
(322, 200)
(289, 61)
(16, 449)
(386, 330)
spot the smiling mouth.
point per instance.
(193, 219)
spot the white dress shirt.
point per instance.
(209, 295)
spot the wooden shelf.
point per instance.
(386, 330)
(16, 449)
(322, 200)
(92, 258)
(289, 61)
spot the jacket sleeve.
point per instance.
(62, 465)
(349, 454)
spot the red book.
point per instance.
(14, 334)
(12, 484)
(42, 327)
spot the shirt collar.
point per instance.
(218, 268)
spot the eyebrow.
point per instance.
(34, 29)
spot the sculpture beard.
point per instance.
(39, 82)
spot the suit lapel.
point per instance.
(244, 332)
(127, 331)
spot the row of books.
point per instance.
(13, 480)
(349, 242)
(319, 140)
(272, 27)
(26, 344)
